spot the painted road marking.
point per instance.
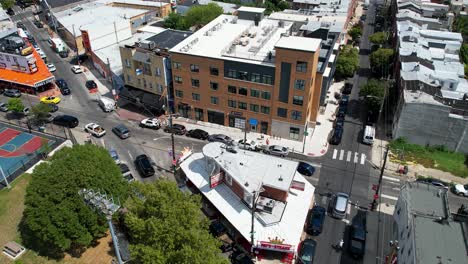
(356, 157)
(346, 221)
(335, 153)
(341, 154)
(348, 157)
(390, 178)
(389, 197)
(130, 154)
(395, 189)
(363, 158)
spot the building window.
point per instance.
(299, 85)
(129, 78)
(294, 133)
(177, 79)
(214, 86)
(157, 72)
(159, 87)
(232, 103)
(231, 73)
(176, 65)
(194, 68)
(144, 83)
(214, 100)
(254, 93)
(243, 105)
(150, 85)
(266, 95)
(255, 77)
(179, 93)
(282, 112)
(198, 114)
(267, 79)
(296, 115)
(301, 66)
(128, 63)
(214, 71)
(195, 83)
(243, 75)
(139, 82)
(232, 89)
(254, 107)
(298, 100)
(242, 91)
(265, 109)
(146, 69)
(196, 97)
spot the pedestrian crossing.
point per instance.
(349, 156)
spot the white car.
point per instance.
(150, 123)
(461, 190)
(76, 69)
(95, 129)
(51, 67)
(250, 145)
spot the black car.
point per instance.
(339, 122)
(176, 129)
(197, 133)
(143, 165)
(12, 93)
(90, 84)
(344, 100)
(336, 137)
(38, 24)
(63, 86)
(307, 251)
(20, 25)
(305, 169)
(10, 12)
(124, 168)
(63, 54)
(348, 88)
(357, 239)
(66, 121)
(121, 131)
(317, 217)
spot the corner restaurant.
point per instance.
(235, 183)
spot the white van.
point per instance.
(107, 104)
(369, 135)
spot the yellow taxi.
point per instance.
(50, 100)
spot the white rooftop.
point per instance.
(299, 43)
(290, 227)
(139, 2)
(151, 29)
(227, 7)
(251, 9)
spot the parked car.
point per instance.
(51, 67)
(307, 251)
(12, 93)
(197, 133)
(95, 129)
(63, 54)
(121, 131)
(357, 238)
(434, 182)
(126, 173)
(339, 122)
(250, 145)
(347, 88)
(220, 138)
(176, 129)
(38, 24)
(114, 156)
(344, 100)
(153, 123)
(63, 86)
(20, 25)
(66, 121)
(76, 69)
(341, 111)
(460, 189)
(335, 139)
(316, 220)
(50, 100)
(90, 84)
(143, 165)
(3, 107)
(277, 150)
(305, 169)
(339, 205)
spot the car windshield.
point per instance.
(316, 218)
(357, 245)
(307, 253)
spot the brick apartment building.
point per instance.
(248, 69)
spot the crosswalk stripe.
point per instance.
(341, 154)
(335, 153)
(348, 157)
(389, 197)
(363, 158)
(390, 178)
(356, 157)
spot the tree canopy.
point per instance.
(15, 105)
(355, 32)
(201, 15)
(461, 25)
(347, 62)
(56, 219)
(40, 111)
(175, 21)
(167, 226)
(381, 60)
(374, 92)
(7, 3)
(378, 38)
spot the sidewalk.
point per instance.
(315, 145)
(101, 83)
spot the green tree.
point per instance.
(381, 60)
(7, 3)
(461, 25)
(56, 219)
(15, 105)
(40, 111)
(355, 32)
(167, 226)
(175, 21)
(201, 15)
(347, 62)
(378, 38)
(374, 92)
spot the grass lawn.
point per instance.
(11, 211)
(430, 157)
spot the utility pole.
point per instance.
(377, 190)
(76, 44)
(462, 137)
(174, 162)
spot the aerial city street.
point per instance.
(205, 131)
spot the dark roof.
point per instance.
(169, 38)
(59, 3)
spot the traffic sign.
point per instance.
(253, 121)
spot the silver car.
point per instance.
(3, 107)
(277, 150)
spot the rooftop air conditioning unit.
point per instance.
(147, 44)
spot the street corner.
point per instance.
(319, 153)
(125, 115)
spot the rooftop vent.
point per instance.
(77, 9)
